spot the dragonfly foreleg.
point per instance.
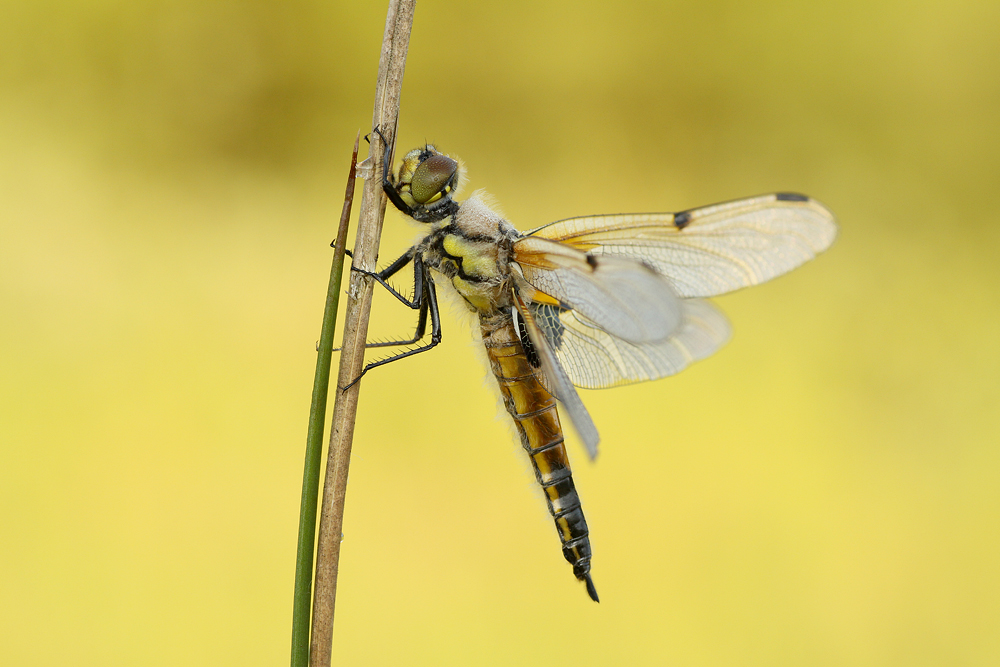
(387, 186)
(381, 277)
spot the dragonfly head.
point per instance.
(426, 183)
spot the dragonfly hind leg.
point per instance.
(417, 302)
(426, 300)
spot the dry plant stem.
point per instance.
(390, 77)
(314, 439)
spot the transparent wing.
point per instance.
(611, 321)
(594, 359)
(624, 298)
(557, 381)
(710, 250)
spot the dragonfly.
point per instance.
(592, 302)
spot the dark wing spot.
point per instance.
(682, 219)
(790, 196)
(592, 261)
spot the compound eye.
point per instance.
(433, 178)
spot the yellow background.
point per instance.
(824, 491)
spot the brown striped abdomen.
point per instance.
(533, 410)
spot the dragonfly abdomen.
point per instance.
(533, 410)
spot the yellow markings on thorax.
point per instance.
(479, 276)
(478, 297)
(479, 258)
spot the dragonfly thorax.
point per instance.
(473, 251)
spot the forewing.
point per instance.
(625, 298)
(710, 250)
(594, 359)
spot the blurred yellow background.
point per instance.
(824, 491)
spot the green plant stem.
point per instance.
(314, 439)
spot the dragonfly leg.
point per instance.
(417, 302)
(429, 295)
(421, 329)
(381, 277)
(387, 186)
